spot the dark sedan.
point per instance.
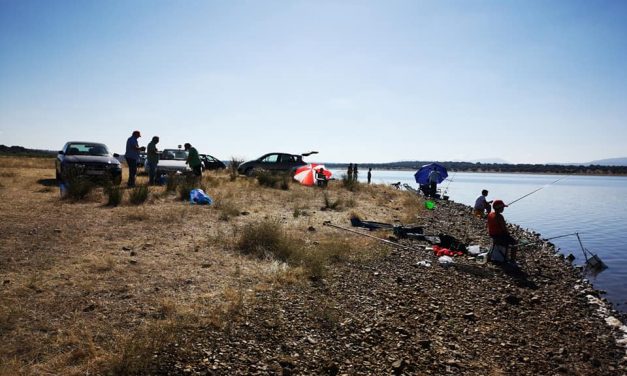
(211, 163)
(274, 162)
(87, 159)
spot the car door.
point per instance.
(270, 162)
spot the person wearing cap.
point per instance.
(497, 229)
(482, 205)
(193, 159)
(132, 156)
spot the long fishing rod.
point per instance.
(328, 223)
(532, 192)
(449, 182)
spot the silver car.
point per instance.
(172, 161)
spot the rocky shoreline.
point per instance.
(393, 316)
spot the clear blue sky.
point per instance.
(359, 81)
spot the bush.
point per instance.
(187, 185)
(114, 193)
(172, 183)
(266, 239)
(350, 184)
(273, 180)
(233, 165)
(139, 195)
(331, 205)
(77, 188)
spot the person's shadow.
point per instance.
(518, 275)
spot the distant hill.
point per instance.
(610, 162)
(22, 151)
(489, 160)
(553, 168)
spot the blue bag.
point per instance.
(198, 196)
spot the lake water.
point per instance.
(593, 206)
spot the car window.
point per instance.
(87, 149)
(174, 154)
(272, 158)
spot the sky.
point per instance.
(530, 81)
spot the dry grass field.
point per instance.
(88, 288)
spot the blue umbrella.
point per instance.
(422, 175)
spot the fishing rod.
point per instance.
(547, 239)
(328, 223)
(532, 192)
(449, 182)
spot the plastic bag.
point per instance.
(198, 196)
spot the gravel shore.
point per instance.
(392, 316)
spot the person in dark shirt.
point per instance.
(193, 159)
(132, 156)
(369, 175)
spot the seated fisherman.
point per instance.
(497, 228)
(482, 205)
(321, 178)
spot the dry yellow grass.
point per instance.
(88, 288)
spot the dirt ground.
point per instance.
(166, 287)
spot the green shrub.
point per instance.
(187, 185)
(138, 195)
(114, 194)
(77, 187)
(273, 180)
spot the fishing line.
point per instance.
(532, 192)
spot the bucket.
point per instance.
(430, 204)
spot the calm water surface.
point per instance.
(593, 206)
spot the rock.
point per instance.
(425, 343)
(311, 228)
(89, 308)
(57, 230)
(513, 299)
(470, 316)
(125, 248)
(133, 253)
(133, 262)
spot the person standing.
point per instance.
(132, 156)
(434, 177)
(369, 175)
(193, 159)
(350, 172)
(355, 172)
(152, 159)
(497, 229)
(482, 205)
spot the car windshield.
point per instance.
(87, 149)
(174, 154)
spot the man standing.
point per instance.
(482, 205)
(193, 159)
(132, 155)
(434, 177)
(369, 175)
(497, 229)
(152, 158)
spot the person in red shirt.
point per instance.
(497, 228)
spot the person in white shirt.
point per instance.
(482, 205)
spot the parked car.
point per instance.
(274, 162)
(141, 162)
(172, 161)
(88, 159)
(211, 163)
